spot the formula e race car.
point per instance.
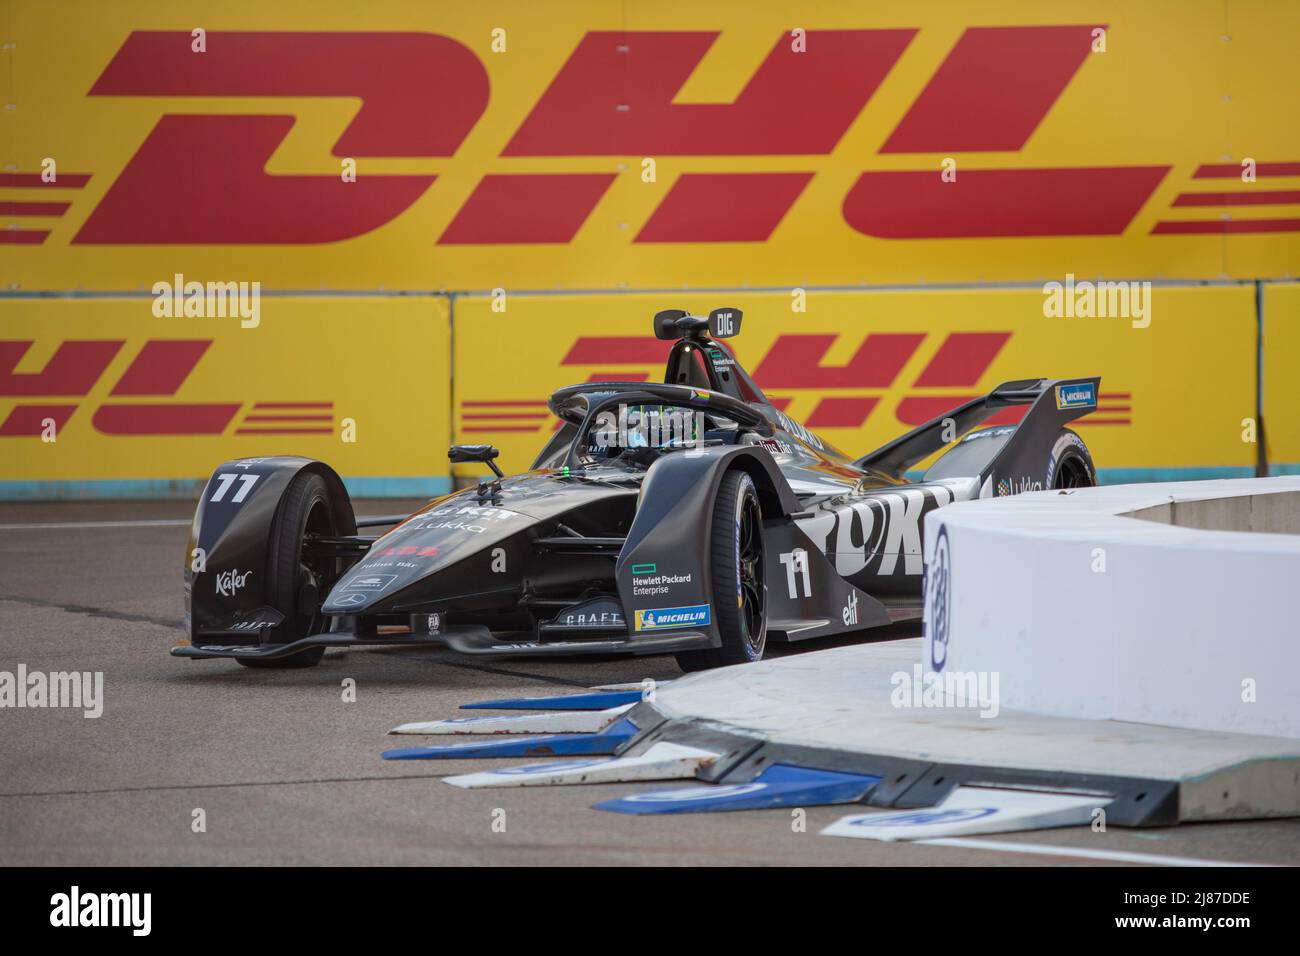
(690, 517)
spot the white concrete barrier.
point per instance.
(1084, 610)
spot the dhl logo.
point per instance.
(158, 370)
(795, 365)
(422, 94)
(141, 400)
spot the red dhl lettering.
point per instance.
(797, 362)
(158, 370)
(976, 101)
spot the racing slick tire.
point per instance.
(1070, 464)
(293, 588)
(736, 565)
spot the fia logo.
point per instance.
(229, 583)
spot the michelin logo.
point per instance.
(663, 619)
(1082, 395)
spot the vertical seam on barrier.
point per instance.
(1261, 451)
(451, 383)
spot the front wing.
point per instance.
(470, 639)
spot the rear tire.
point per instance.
(1070, 465)
(736, 564)
(293, 588)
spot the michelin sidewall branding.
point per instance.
(1068, 440)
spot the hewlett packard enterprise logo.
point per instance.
(666, 618)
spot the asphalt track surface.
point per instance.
(286, 772)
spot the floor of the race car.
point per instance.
(286, 770)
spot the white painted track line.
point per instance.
(1115, 856)
(45, 525)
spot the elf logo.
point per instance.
(850, 612)
(75, 909)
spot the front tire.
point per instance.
(736, 558)
(1070, 465)
(295, 586)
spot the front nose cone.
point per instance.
(426, 544)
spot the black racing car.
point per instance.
(690, 517)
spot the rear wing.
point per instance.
(1054, 403)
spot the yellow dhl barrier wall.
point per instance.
(645, 143)
(861, 368)
(103, 398)
(143, 405)
(1281, 374)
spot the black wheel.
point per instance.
(1071, 463)
(736, 565)
(296, 584)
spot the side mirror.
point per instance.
(483, 453)
(724, 323)
(666, 323)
